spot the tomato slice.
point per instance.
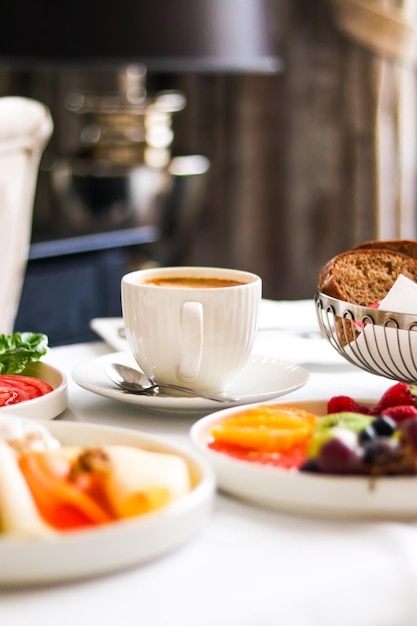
(9, 397)
(17, 388)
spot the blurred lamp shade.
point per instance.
(163, 35)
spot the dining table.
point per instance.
(249, 565)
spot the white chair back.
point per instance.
(25, 128)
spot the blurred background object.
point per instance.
(304, 151)
(25, 128)
(388, 29)
(114, 195)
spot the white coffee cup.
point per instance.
(192, 326)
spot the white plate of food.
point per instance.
(297, 492)
(75, 554)
(262, 378)
(47, 406)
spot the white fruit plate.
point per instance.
(292, 491)
(79, 554)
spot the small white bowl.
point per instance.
(45, 407)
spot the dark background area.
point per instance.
(291, 156)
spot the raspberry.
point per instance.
(400, 413)
(342, 404)
(398, 394)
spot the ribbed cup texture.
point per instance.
(153, 321)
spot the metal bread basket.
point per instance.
(381, 342)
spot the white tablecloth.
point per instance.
(248, 566)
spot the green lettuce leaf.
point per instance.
(19, 349)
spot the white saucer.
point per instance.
(263, 378)
(302, 493)
(96, 551)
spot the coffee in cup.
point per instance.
(191, 326)
(193, 282)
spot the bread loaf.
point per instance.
(404, 246)
(365, 275)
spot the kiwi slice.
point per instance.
(346, 435)
(345, 419)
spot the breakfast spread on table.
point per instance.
(55, 489)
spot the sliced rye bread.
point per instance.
(364, 276)
(404, 246)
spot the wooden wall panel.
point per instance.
(296, 157)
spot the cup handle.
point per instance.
(192, 341)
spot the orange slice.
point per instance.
(266, 428)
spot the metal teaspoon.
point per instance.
(133, 380)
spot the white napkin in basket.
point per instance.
(386, 349)
(401, 298)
